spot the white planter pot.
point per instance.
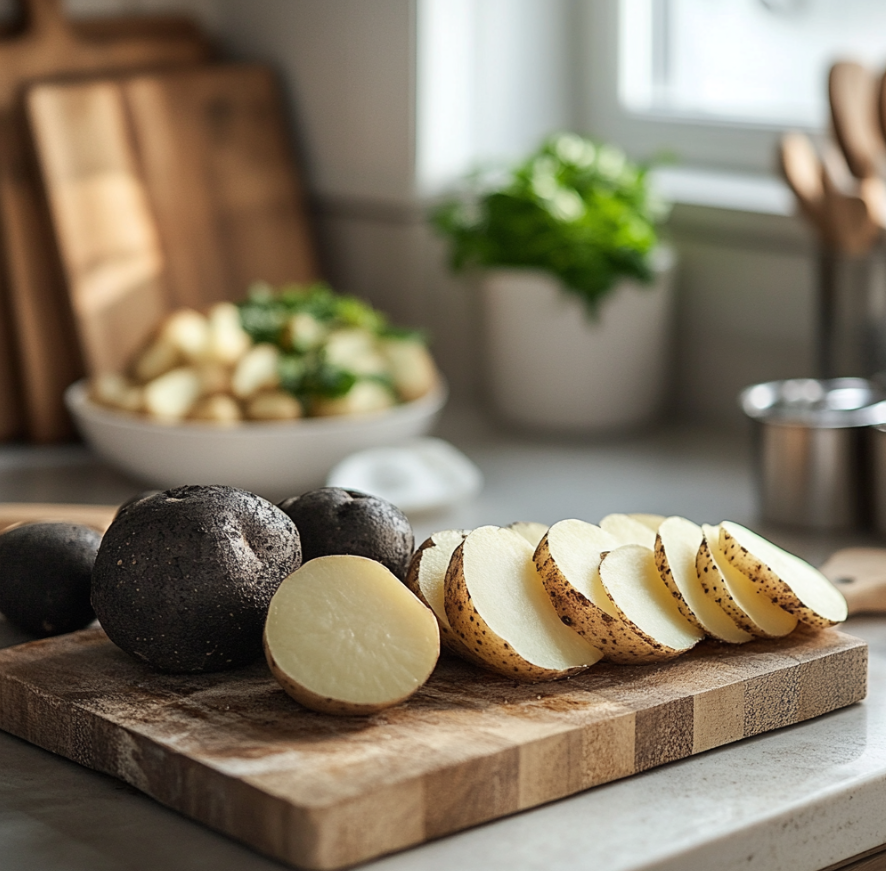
(551, 366)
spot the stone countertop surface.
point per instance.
(798, 799)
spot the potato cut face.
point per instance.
(530, 530)
(431, 562)
(507, 592)
(799, 587)
(653, 521)
(763, 617)
(343, 635)
(577, 548)
(676, 551)
(631, 578)
(628, 530)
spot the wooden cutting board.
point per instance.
(165, 190)
(234, 752)
(34, 303)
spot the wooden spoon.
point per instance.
(853, 97)
(846, 213)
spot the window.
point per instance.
(718, 80)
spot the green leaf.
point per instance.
(576, 208)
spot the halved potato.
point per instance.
(188, 331)
(737, 594)
(365, 397)
(497, 605)
(568, 560)
(676, 553)
(218, 408)
(530, 530)
(425, 577)
(344, 636)
(172, 396)
(227, 341)
(644, 602)
(273, 405)
(790, 581)
(157, 359)
(626, 529)
(256, 370)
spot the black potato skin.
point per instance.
(45, 574)
(332, 520)
(183, 578)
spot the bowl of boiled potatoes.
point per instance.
(266, 394)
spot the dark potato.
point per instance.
(183, 578)
(45, 571)
(331, 520)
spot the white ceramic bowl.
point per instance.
(275, 460)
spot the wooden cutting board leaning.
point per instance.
(233, 751)
(33, 308)
(167, 189)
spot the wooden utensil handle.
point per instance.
(860, 575)
(15, 513)
(43, 15)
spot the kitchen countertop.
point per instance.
(798, 799)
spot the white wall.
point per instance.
(390, 99)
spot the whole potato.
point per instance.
(183, 578)
(336, 521)
(45, 571)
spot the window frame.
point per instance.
(705, 142)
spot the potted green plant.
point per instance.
(575, 284)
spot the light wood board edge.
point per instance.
(498, 782)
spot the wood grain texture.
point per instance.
(167, 189)
(47, 356)
(234, 752)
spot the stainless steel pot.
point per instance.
(812, 443)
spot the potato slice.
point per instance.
(790, 581)
(653, 521)
(644, 602)
(172, 396)
(628, 530)
(676, 553)
(344, 636)
(256, 370)
(530, 530)
(737, 594)
(425, 577)
(496, 603)
(568, 560)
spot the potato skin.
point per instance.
(322, 704)
(45, 576)
(711, 581)
(609, 634)
(332, 520)
(659, 652)
(183, 578)
(448, 637)
(771, 585)
(664, 569)
(487, 648)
